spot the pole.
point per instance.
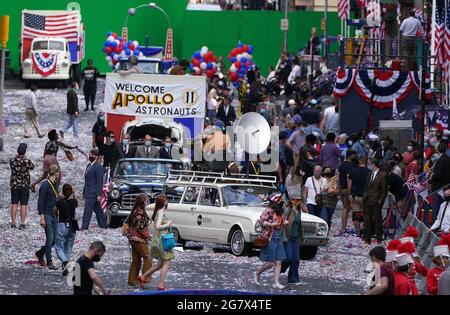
(285, 46)
(325, 45)
(2, 86)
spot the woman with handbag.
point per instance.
(67, 226)
(157, 249)
(138, 235)
(272, 221)
(330, 196)
(313, 191)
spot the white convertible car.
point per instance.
(212, 208)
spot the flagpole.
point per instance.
(433, 38)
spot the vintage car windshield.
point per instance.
(251, 196)
(145, 168)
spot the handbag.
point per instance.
(261, 241)
(69, 154)
(439, 228)
(318, 198)
(126, 226)
(168, 241)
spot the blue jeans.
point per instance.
(92, 205)
(314, 210)
(51, 229)
(73, 122)
(64, 242)
(292, 247)
(327, 215)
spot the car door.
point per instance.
(176, 211)
(188, 206)
(210, 217)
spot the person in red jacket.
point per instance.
(409, 248)
(440, 259)
(391, 254)
(402, 285)
(409, 236)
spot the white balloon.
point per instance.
(123, 54)
(249, 57)
(141, 54)
(245, 55)
(203, 65)
(136, 43)
(238, 57)
(117, 66)
(214, 65)
(116, 57)
(108, 58)
(233, 68)
(203, 51)
(111, 39)
(196, 69)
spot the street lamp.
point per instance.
(132, 12)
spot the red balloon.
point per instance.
(233, 76)
(245, 48)
(248, 64)
(114, 61)
(108, 50)
(234, 52)
(115, 35)
(238, 64)
(210, 73)
(131, 47)
(213, 59)
(195, 62)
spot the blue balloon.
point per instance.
(120, 39)
(197, 54)
(109, 34)
(125, 46)
(233, 59)
(249, 68)
(128, 52)
(243, 60)
(239, 45)
(130, 42)
(191, 66)
(209, 66)
(136, 52)
(114, 44)
(236, 84)
(242, 70)
(112, 54)
(250, 49)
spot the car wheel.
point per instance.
(114, 221)
(237, 243)
(308, 252)
(180, 241)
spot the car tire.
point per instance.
(308, 252)
(114, 221)
(238, 245)
(178, 238)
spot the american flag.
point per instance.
(440, 119)
(422, 185)
(58, 25)
(419, 14)
(105, 190)
(343, 9)
(411, 181)
(395, 114)
(439, 36)
(446, 47)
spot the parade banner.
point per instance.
(152, 95)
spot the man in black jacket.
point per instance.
(166, 151)
(440, 177)
(226, 113)
(128, 150)
(90, 75)
(72, 111)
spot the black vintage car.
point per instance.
(132, 177)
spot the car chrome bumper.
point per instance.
(315, 241)
(253, 236)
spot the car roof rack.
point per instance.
(197, 177)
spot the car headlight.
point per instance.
(322, 229)
(115, 208)
(115, 193)
(64, 64)
(258, 228)
(27, 63)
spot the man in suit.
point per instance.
(147, 150)
(128, 150)
(92, 191)
(375, 192)
(166, 151)
(440, 177)
(226, 112)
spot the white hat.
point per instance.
(407, 239)
(404, 259)
(391, 255)
(373, 137)
(291, 102)
(441, 250)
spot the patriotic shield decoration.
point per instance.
(44, 63)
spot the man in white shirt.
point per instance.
(443, 219)
(31, 113)
(409, 29)
(314, 185)
(295, 72)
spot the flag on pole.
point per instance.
(439, 24)
(395, 114)
(105, 190)
(411, 182)
(446, 45)
(343, 9)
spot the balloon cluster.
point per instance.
(241, 61)
(204, 62)
(116, 49)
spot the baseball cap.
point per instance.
(291, 102)
(297, 119)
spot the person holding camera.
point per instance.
(67, 226)
(315, 187)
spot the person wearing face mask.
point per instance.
(359, 148)
(429, 165)
(442, 222)
(128, 150)
(375, 191)
(413, 166)
(408, 155)
(88, 276)
(441, 257)
(147, 150)
(315, 185)
(384, 153)
(92, 192)
(166, 151)
(72, 111)
(110, 151)
(356, 181)
(90, 75)
(99, 131)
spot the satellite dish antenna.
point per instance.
(253, 133)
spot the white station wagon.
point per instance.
(213, 208)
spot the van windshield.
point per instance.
(48, 45)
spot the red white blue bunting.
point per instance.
(44, 63)
(388, 85)
(416, 81)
